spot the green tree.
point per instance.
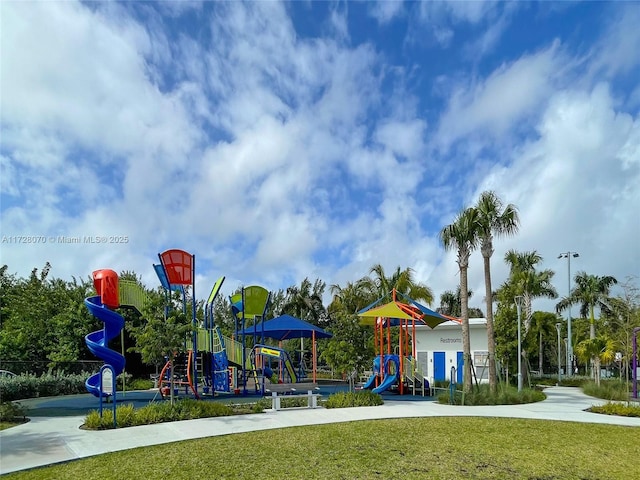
(526, 282)
(493, 220)
(159, 337)
(591, 291)
(450, 304)
(619, 320)
(543, 330)
(402, 281)
(599, 349)
(461, 236)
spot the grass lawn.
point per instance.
(434, 448)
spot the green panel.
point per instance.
(132, 294)
(203, 340)
(215, 290)
(255, 301)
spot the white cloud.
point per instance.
(275, 156)
(576, 188)
(498, 103)
(385, 12)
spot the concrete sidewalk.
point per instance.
(47, 440)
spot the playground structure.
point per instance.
(213, 363)
(397, 370)
(112, 294)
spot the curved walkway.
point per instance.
(47, 440)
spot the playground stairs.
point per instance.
(414, 377)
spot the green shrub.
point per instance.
(608, 390)
(506, 395)
(46, 385)
(184, 409)
(620, 409)
(10, 411)
(361, 398)
(139, 384)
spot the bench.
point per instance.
(293, 390)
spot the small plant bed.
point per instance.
(607, 390)
(619, 409)
(184, 409)
(506, 395)
(361, 398)
(12, 414)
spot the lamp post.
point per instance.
(568, 256)
(518, 301)
(558, 326)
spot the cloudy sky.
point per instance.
(277, 141)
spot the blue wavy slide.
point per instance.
(387, 382)
(98, 342)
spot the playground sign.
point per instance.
(270, 352)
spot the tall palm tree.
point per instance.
(590, 291)
(493, 220)
(461, 235)
(402, 281)
(529, 283)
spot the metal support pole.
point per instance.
(558, 326)
(568, 256)
(519, 309)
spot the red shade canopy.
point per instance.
(179, 266)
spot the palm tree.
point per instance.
(461, 235)
(543, 326)
(493, 220)
(600, 349)
(450, 302)
(590, 291)
(403, 282)
(526, 281)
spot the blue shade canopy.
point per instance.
(286, 327)
(162, 276)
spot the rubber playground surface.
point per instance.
(82, 404)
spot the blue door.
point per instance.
(439, 366)
(460, 367)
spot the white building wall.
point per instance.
(447, 338)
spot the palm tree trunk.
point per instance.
(466, 344)
(540, 355)
(491, 338)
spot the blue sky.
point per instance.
(278, 141)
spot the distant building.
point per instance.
(439, 349)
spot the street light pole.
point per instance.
(558, 325)
(568, 256)
(518, 300)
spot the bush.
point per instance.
(361, 398)
(608, 390)
(139, 384)
(185, 409)
(620, 409)
(10, 411)
(552, 379)
(506, 395)
(46, 385)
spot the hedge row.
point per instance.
(45, 385)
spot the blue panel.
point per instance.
(439, 366)
(460, 366)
